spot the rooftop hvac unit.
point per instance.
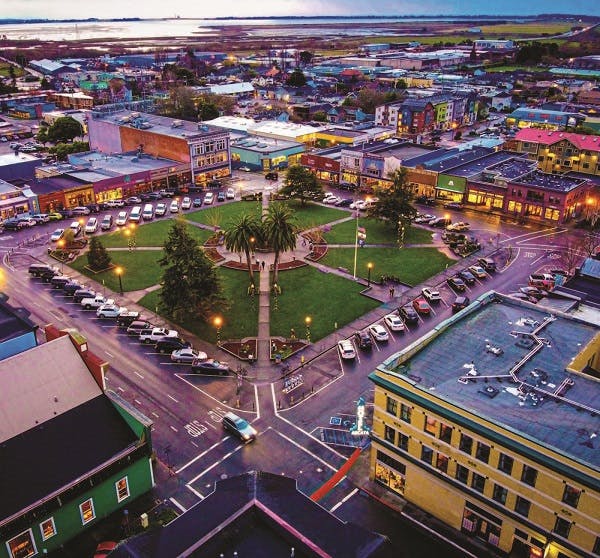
(176, 124)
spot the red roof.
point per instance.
(545, 137)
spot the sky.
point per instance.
(75, 9)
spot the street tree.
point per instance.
(241, 236)
(279, 232)
(180, 104)
(395, 201)
(97, 256)
(301, 183)
(297, 78)
(191, 288)
(64, 129)
(306, 57)
(61, 150)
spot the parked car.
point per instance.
(148, 212)
(439, 222)
(114, 204)
(457, 283)
(186, 203)
(107, 223)
(221, 196)
(245, 168)
(161, 209)
(40, 218)
(75, 226)
(27, 221)
(432, 295)
(272, 176)
(487, 263)
(54, 216)
(174, 206)
(459, 303)
(133, 200)
(197, 202)
(346, 349)
(13, 225)
(394, 322)
(230, 194)
(135, 327)
(187, 355)
(363, 340)
(210, 366)
(467, 276)
(71, 287)
(39, 269)
(453, 205)
(379, 333)
(125, 319)
(533, 292)
(424, 218)
(121, 219)
(91, 226)
(57, 235)
(80, 210)
(95, 302)
(343, 202)
(408, 314)
(104, 548)
(135, 215)
(239, 427)
(83, 293)
(110, 310)
(154, 334)
(170, 344)
(59, 281)
(209, 198)
(421, 305)
(478, 271)
(542, 281)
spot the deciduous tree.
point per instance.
(97, 256)
(301, 183)
(395, 201)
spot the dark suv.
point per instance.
(171, 344)
(272, 176)
(408, 314)
(71, 288)
(127, 318)
(363, 340)
(80, 294)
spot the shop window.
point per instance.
(431, 426)
(441, 463)
(529, 475)
(22, 546)
(562, 527)
(478, 482)
(571, 496)
(522, 506)
(389, 434)
(426, 455)
(405, 412)
(505, 463)
(462, 474)
(445, 433)
(390, 472)
(122, 487)
(403, 442)
(47, 528)
(483, 452)
(500, 494)
(86, 510)
(465, 444)
(391, 406)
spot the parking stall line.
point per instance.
(191, 489)
(172, 398)
(200, 456)
(138, 375)
(344, 500)
(302, 448)
(177, 505)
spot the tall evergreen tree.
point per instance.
(395, 201)
(301, 183)
(98, 258)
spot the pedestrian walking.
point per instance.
(302, 360)
(262, 264)
(392, 291)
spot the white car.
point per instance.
(161, 209)
(394, 322)
(431, 294)
(187, 355)
(91, 226)
(174, 207)
(209, 198)
(57, 235)
(186, 203)
(346, 349)
(121, 219)
(95, 302)
(230, 194)
(332, 200)
(425, 218)
(110, 310)
(75, 227)
(156, 334)
(379, 332)
(478, 271)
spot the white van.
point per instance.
(148, 212)
(136, 214)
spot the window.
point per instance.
(122, 487)
(505, 463)
(86, 510)
(442, 463)
(462, 474)
(445, 433)
(431, 426)
(403, 441)
(405, 412)
(562, 527)
(466, 443)
(47, 528)
(499, 494)
(478, 482)
(391, 406)
(389, 434)
(22, 546)
(571, 495)
(426, 454)
(522, 506)
(483, 452)
(529, 475)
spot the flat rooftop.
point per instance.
(264, 145)
(11, 158)
(506, 362)
(469, 164)
(557, 182)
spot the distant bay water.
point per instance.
(71, 31)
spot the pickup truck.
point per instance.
(156, 334)
(95, 302)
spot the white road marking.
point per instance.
(138, 375)
(121, 389)
(173, 428)
(109, 354)
(299, 446)
(344, 500)
(171, 397)
(138, 401)
(194, 491)
(183, 467)
(155, 415)
(177, 505)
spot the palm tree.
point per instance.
(279, 230)
(241, 236)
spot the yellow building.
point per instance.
(491, 423)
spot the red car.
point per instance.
(104, 549)
(421, 306)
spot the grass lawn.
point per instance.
(151, 234)
(221, 215)
(377, 233)
(513, 68)
(527, 28)
(140, 269)
(315, 215)
(239, 321)
(411, 265)
(5, 70)
(325, 297)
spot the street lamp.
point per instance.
(81, 223)
(119, 272)
(61, 244)
(369, 267)
(307, 321)
(218, 321)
